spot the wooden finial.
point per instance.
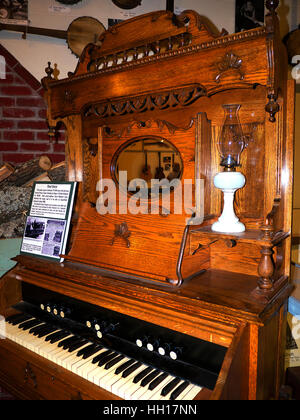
(45, 80)
(49, 70)
(51, 133)
(272, 5)
(272, 107)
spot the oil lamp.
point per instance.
(230, 146)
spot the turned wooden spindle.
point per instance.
(266, 269)
(272, 107)
(266, 264)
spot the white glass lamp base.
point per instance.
(229, 183)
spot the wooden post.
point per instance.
(170, 5)
(266, 265)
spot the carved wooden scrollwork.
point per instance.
(161, 124)
(90, 152)
(92, 147)
(183, 96)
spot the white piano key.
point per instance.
(155, 394)
(68, 361)
(20, 336)
(117, 377)
(106, 380)
(87, 371)
(46, 347)
(185, 392)
(53, 352)
(192, 393)
(63, 356)
(142, 390)
(99, 373)
(127, 391)
(83, 364)
(120, 384)
(167, 397)
(43, 344)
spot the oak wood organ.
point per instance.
(165, 78)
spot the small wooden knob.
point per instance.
(272, 5)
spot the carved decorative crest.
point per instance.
(230, 62)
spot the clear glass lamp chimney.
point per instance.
(231, 139)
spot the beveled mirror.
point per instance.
(147, 158)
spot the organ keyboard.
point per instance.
(114, 362)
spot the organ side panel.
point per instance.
(150, 101)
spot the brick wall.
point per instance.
(23, 127)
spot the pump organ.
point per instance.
(146, 306)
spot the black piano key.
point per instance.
(149, 378)
(88, 353)
(101, 356)
(47, 331)
(17, 318)
(157, 381)
(131, 369)
(113, 362)
(77, 345)
(57, 336)
(67, 341)
(73, 341)
(124, 366)
(86, 350)
(142, 374)
(170, 386)
(106, 359)
(12, 318)
(175, 394)
(83, 351)
(29, 324)
(35, 330)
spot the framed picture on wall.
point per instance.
(14, 11)
(249, 14)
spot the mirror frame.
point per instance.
(135, 140)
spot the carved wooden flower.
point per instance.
(123, 232)
(230, 61)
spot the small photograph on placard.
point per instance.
(53, 237)
(35, 228)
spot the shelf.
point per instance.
(249, 236)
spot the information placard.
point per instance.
(48, 222)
